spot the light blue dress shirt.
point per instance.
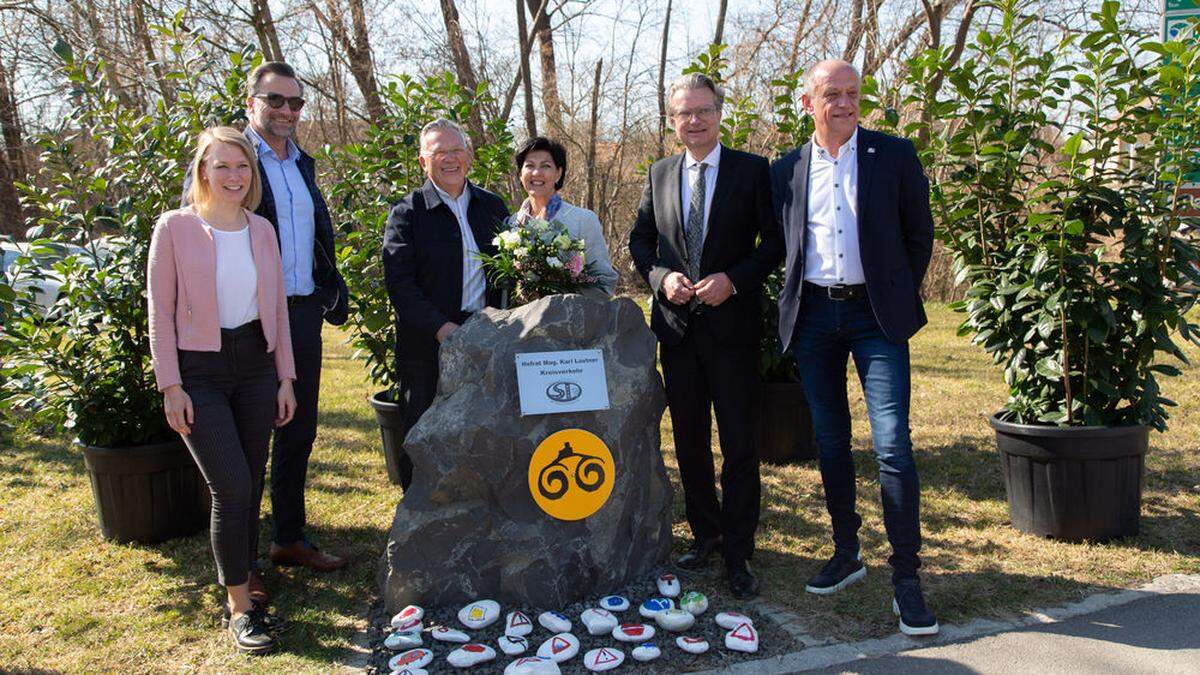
(294, 213)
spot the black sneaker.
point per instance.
(909, 605)
(742, 582)
(274, 623)
(841, 571)
(698, 555)
(249, 635)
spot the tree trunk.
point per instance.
(462, 62)
(12, 158)
(143, 37)
(526, 79)
(719, 35)
(264, 28)
(592, 132)
(854, 39)
(551, 102)
(362, 62)
(662, 74)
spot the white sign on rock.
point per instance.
(559, 382)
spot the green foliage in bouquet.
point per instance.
(535, 258)
(110, 170)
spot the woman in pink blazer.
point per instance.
(222, 354)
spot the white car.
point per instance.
(37, 272)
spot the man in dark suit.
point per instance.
(431, 267)
(705, 239)
(316, 292)
(854, 205)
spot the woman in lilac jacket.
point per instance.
(222, 355)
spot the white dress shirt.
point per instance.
(474, 284)
(237, 279)
(831, 240)
(691, 173)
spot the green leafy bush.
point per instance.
(111, 170)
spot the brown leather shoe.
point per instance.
(257, 590)
(304, 554)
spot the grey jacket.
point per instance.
(583, 224)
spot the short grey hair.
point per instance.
(826, 68)
(697, 81)
(441, 124)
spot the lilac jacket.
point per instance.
(183, 293)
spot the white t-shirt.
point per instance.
(237, 280)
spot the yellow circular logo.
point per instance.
(571, 474)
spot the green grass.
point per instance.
(72, 602)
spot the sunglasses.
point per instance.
(277, 101)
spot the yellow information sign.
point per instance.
(571, 474)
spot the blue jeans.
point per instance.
(827, 332)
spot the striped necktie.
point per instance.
(695, 225)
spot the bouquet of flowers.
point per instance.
(535, 258)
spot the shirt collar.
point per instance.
(712, 159)
(463, 197)
(849, 147)
(260, 145)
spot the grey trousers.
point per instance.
(233, 395)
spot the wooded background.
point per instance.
(591, 73)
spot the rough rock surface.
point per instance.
(468, 527)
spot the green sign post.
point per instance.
(1177, 24)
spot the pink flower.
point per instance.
(575, 265)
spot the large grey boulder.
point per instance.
(469, 528)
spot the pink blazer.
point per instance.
(183, 293)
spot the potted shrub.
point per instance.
(85, 365)
(1057, 175)
(365, 179)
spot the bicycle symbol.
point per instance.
(588, 475)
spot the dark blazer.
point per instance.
(422, 264)
(331, 288)
(895, 230)
(743, 241)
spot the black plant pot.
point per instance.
(1073, 483)
(391, 431)
(147, 494)
(783, 424)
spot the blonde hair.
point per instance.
(198, 193)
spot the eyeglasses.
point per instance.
(698, 113)
(295, 103)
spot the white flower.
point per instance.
(496, 241)
(521, 252)
(510, 238)
(554, 262)
(562, 241)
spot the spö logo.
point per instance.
(571, 474)
(564, 392)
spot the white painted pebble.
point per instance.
(517, 623)
(614, 603)
(731, 620)
(675, 620)
(633, 632)
(668, 585)
(398, 641)
(444, 634)
(479, 614)
(407, 614)
(692, 645)
(598, 621)
(559, 647)
(604, 658)
(532, 665)
(513, 644)
(554, 622)
(694, 602)
(470, 655)
(652, 607)
(742, 639)
(646, 652)
(413, 658)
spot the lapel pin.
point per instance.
(869, 150)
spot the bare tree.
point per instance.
(661, 93)
(462, 61)
(593, 130)
(12, 163)
(526, 78)
(719, 34)
(551, 102)
(357, 45)
(264, 27)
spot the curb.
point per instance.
(823, 653)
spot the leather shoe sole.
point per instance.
(303, 554)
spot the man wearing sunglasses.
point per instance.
(293, 203)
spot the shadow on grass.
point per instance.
(23, 455)
(362, 421)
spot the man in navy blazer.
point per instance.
(854, 205)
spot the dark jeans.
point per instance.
(233, 394)
(827, 332)
(702, 375)
(294, 441)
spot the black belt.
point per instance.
(300, 299)
(838, 292)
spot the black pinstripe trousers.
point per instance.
(233, 395)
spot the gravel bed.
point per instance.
(772, 639)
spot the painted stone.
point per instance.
(449, 635)
(668, 585)
(559, 647)
(742, 639)
(469, 655)
(604, 658)
(479, 614)
(513, 644)
(410, 626)
(731, 620)
(410, 613)
(694, 602)
(654, 606)
(675, 620)
(614, 603)
(598, 621)
(692, 645)
(532, 665)
(398, 641)
(517, 623)
(410, 671)
(646, 652)
(554, 622)
(413, 658)
(633, 632)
